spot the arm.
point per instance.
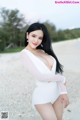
(31, 67)
(64, 96)
(62, 88)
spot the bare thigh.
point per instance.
(58, 108)
(46, 111)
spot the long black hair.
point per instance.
(46, 43)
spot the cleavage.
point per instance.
(47, 61)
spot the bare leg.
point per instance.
(46, 111)
(58, 108)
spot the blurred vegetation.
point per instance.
(13, 26)
(12, 50)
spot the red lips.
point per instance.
(34, 44)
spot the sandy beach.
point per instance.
(17, 85)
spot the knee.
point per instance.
(50, 118)
(59, 118)
(55, 118)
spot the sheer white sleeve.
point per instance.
(33, 70)
(43, 77)
(62, 88)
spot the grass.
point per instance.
(12, 50)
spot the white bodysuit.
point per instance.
(45, 91)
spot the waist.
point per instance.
(39, 83)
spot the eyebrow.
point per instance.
(36, 35)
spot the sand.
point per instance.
(17, 85)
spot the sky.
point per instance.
(63, 16)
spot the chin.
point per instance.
(33, 47)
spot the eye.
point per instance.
(40, 38)
(33, 35)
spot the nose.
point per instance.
(36, 40)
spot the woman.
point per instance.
(50, 95)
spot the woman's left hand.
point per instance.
(64, 99)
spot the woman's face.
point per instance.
(35, 38)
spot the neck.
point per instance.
(31, 49)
